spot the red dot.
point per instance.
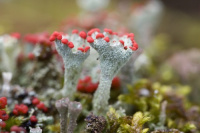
(70, 45)
(59, 37)
(133, 48)
(81, 49)
(64, 41)
(35, 101)
(55, 33)
(52, 38)
(115, 33)
(122, 42)
(90, 39)
(99, 35)
(83, 35)
(75, 31)
(131, 35)
(125, 47)
(33, 119)
(106, 39)
(87, 48)
(108, 30)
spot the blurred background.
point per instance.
(168, 31)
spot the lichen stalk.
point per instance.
(75, 109)
(114, 52)
(73, 59)
(62, 107)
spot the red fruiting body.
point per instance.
(75, 31)
(91, 87)
(35, 101)
(52, 38)
(83, 35)
(122, 42)
(2, 124)
(70, 45)
(64, 41)
(3, 115)
(3, 102)
(106, 39)
(116, 83)
(99, 35)
(81, 49)
(20, 109)
(33, 119)
(90, 32)
(90, 39)
(131, 35)
(15, 112)
(133, 48)
(16, 35)
(135, 45)
(86, 85)
(108, 30)
(45, 109)
(96, 29)
(59, 37)
(115, 33)
(86, 48)
(42, 107)
(125, 47)
(31, 56)
(55, 34)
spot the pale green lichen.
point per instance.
(112, 56)
(73, 61)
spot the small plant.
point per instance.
(74, 51)
(69, 112)
(114, 51)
